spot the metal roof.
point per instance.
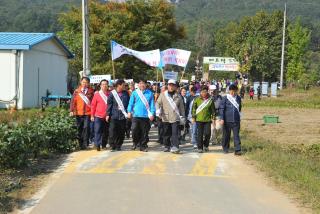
(25, 41)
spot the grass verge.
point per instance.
(20, 116)
(288, 98)
(294, 167)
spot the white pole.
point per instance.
(283, 45)
(85, 37)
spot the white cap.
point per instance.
(213, 87)
(172, 81)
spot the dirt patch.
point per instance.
(297, 126)
(23, 184)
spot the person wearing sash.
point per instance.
(141, 109)
(80, 107)
(129, 122)
(117, 115)
(193, 127)
(98, 115)
(230, 117)
(215, 126)
(170, 108)
(185, 128)
(203, 113)
(159, 119)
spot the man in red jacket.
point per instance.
(98, 115)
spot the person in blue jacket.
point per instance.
(141, 109)
(230, 117)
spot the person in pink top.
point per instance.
(99, 114)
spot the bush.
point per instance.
(53, 132)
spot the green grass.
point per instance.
(21, 116)
(289, 98)
(294, 167)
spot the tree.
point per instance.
(32, 15)
(297, 49)
(140, 25)
(200, 41)
(256, 43)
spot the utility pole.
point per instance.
(283, 45)
(85, 37)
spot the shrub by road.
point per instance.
(24, 141)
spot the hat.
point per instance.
(172, 81)
(213, 87)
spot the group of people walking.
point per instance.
(195, 111)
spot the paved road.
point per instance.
(159, 183)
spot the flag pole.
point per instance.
(184, 70)
(113, 70)
(157, 74)
(162, 75)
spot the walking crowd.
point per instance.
(196, 111)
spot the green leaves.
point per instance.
(140, 25)
(55, 132)
(256, 42)
(297, 49)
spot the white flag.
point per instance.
(175, 56)
(151, 58)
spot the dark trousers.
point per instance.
(91, 137)
(171, 134)
(140, 132)
(83, 126)
(128, 128)
(235, 127)
(186, 129)
(116, 133)
(160, 131)
(101, 132)
(203, 134)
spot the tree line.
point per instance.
(254, 40)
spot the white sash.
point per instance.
(104, 97)
(233, 101)
(158, 112)
(203, 105)
(190, 110)
(120, 104)
(85, 99)
(172, 103)
(145, 102)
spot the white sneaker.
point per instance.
(175, 150)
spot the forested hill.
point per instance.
(32, 15)
(41, 15)
(226, 10)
